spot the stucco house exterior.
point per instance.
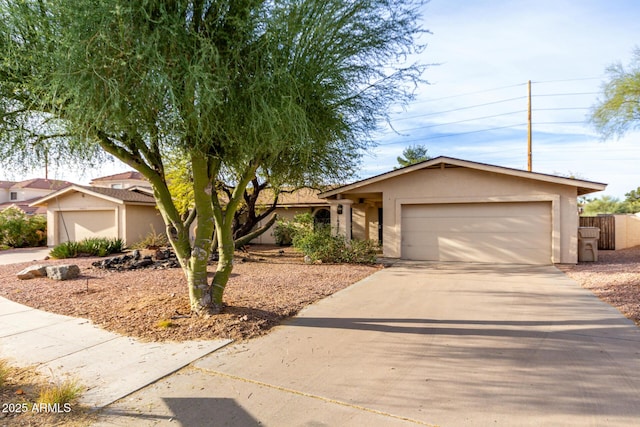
(122, 181)
(21, 194)
(78, 212)
(448, 209)
(290, 204)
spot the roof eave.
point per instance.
(583, 186)
(79, 189)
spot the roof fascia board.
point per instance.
(79, 189)
(595, 186)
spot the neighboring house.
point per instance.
(304, 200)
(447, 209)
(121, 181)
(78, 212)
(22, 194)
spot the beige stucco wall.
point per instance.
(464, 185)
(140, 221)
(131, 221)
(23, 194)
(627, 231)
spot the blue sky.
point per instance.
(486, 51)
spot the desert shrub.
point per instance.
(319, 245)
(5, 370)
(60, 394)
(19, 230)
(97, 246)
(285, 230)
(152, 240)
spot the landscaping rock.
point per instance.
(32, 272)
(63, 272)
(161, 259)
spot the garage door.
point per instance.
(78, 225)
(478, 232)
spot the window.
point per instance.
(14, 195)
(116, 185)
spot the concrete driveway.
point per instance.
(419, 344)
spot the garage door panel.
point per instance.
(79, 225)
(488, 232)
(486, 225)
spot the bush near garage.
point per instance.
(316, 242)
(19, 230)
(98, 246)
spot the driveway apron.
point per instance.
(419, 344)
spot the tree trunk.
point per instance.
(255, 233)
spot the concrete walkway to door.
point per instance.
(419, 344)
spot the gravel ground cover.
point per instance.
(614, 278)
(268, 284)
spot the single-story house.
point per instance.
(79, 212)
(447, 209)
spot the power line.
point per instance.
(566, 94)
(474, 93)
(561, 108)
(461, 108)
(452, 134)
(463, 121)
(568, 80)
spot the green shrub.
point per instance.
(19, 230)
(152, 240)
(285, 230)
(320, 245)
(97, 246)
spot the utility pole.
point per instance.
(529, 150)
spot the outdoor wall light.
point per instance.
(339, 209)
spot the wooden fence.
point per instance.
(607, 226)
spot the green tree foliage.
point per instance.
(413, 154)
(612, 205)
(618, 110)
(238, 88)
(602, 205)
(18, 230)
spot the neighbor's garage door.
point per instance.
(478, 232)
(78, 225)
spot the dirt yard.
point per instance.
(614, 278)
(267, 286)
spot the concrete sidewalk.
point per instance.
(15, 256)
(109, 365)
(418, 344)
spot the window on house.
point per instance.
(14, 195)
(116, 185)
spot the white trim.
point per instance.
(581, 184)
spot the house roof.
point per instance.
(121, 176)
(25, 206)
(584, 187)
(299, 197)
(115, 195)
(37, 184)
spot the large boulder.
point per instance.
(32, 272)
(63, 272)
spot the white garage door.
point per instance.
(478, 232)
(78, 225)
